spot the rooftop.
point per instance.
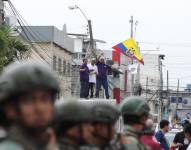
(41, 34)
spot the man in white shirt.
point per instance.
(92, 76)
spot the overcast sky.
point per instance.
(165, 24)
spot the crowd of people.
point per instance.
(181, 140)
(93, 75)
(31, 118)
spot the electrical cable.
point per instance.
(167, 44)
(20, 21)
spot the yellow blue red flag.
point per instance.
(130, 49)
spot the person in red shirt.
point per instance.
(148, 137)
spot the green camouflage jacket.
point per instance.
(17, 139)
(133, 139)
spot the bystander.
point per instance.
(187, 132)
(180, 141)
(160, 135)
(148, 136)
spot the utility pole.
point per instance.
(167, 83)
(160, 58)
(2, 15)
(167, 93)
(177, 93)
(147, 83)
(132, 23)
(92, 52)
(132, 76)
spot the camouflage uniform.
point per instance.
(18, 79)
(17, 138)
(133, 139)
(134, 107)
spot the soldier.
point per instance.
(135, 112)
(30, 90)
(105, 117)
(73, 125)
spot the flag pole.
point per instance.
(132, 76)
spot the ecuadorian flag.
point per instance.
(130, 49)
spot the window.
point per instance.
(54, 63)
(69, 68)
(59, 65)
(175, 100)
(64, 67)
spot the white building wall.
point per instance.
(151, 70)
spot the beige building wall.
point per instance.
(59, 60)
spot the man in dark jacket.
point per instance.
(84, 79)
(102, 77)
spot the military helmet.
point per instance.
(105, 113)
(134, 105)
(25, 76)
(73, 111)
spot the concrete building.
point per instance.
(150, 76)
(188, 88)
(176, 105)
(53, 47)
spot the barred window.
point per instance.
(59, 65)
(69, 68)
(54, 63)
(64, 67)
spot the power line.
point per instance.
(32, 33)
(180, 56)
(167, 44)
(21, 23)
(158, 86)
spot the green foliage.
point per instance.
(11, 48)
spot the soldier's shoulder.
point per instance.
(132, 143)
(132, 140)
(10, 145)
